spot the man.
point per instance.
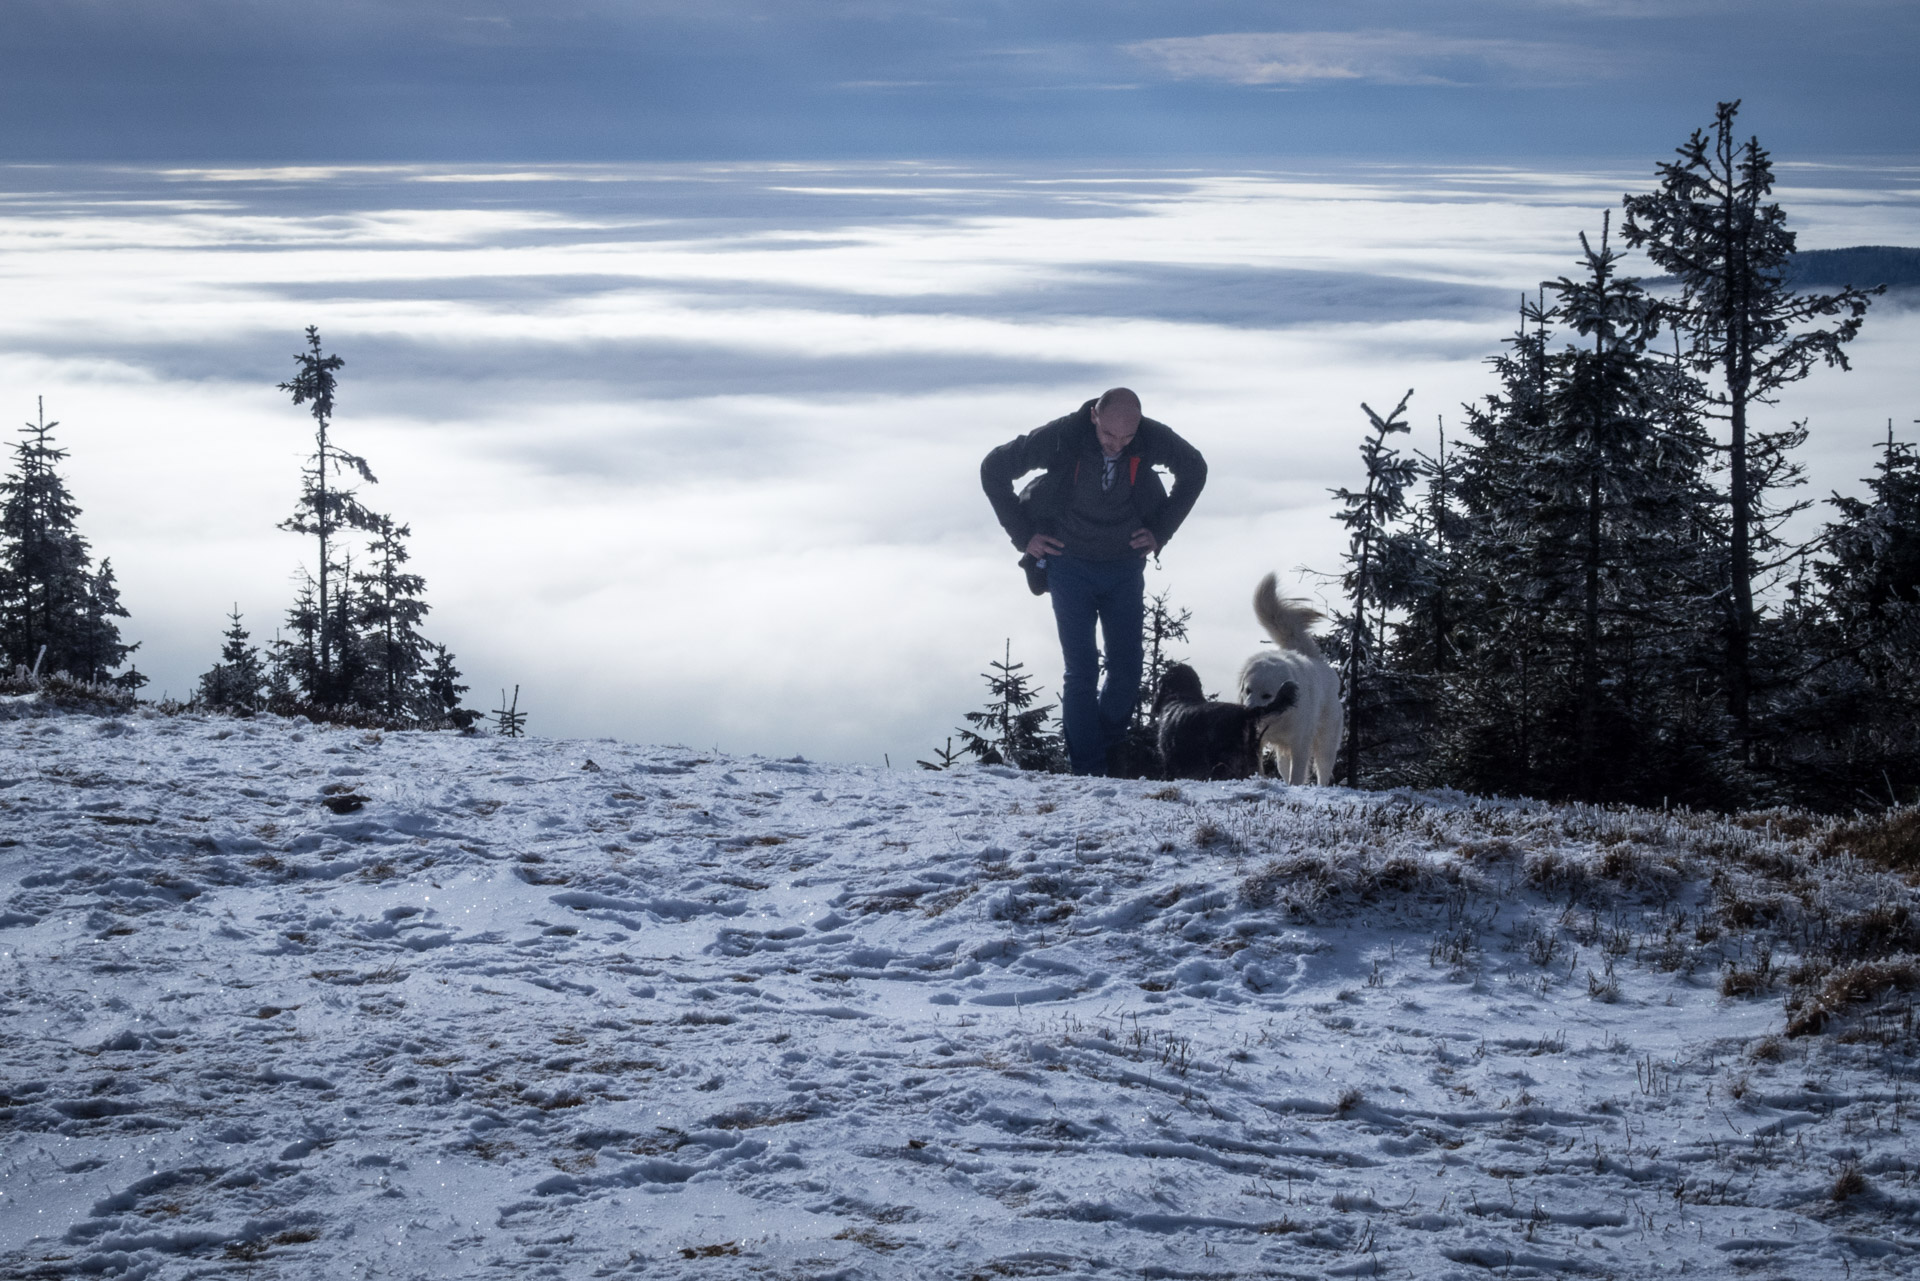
(1086, 527)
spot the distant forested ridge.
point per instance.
(1895, 266)
(1863, 266)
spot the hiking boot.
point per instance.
(1036, 575)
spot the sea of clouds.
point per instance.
(690, 452)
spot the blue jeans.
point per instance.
(1110, 591)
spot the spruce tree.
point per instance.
(1484, 724)
(1846, 726)
(1010, 730)
(1369, 515)
(100, 648)
(324, 509)
(1161, 626)
(1709, 223)
(441, 691)
(237, 683)
(1580, 561)
(352, 682)
(294, 662)
(282, 680)
(1609, 488)
(944, 758)
(389, 614)
(1427, 576)
(1419, 575)
(50, 612)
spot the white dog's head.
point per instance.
(1263, 679)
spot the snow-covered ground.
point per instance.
(545, 1008)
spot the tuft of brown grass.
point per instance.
(1207, 834)
(1851, 1183)
(1497, 850)
(1168, 793)
(1400, 872)
(867, 1237)
(1261, 887)
(1768, 1049)
(1752, 980)
(1795, 825)
(1889, 840)
(1853, 985)
(1350, 1098)
(1885, 929)
(1622, 863)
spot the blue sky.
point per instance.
(702, 79)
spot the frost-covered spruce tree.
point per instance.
(1482, 727)
(1420, 575)
(1010, 730)
(99, 649)
(353, 683)
(55, 610)
(1162, 625)
(281, 692)
(1616, 484)
(1370, 515)
(325, 509)
(1583, 560)
(237, 683)
(389, 616)
(294, 659)
(441, 690)
(1846, 731)
(1711, 225)
(1427, 576)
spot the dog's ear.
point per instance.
(1178, 684)
(1284, 697)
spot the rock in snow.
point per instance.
(541, 1008)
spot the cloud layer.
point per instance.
(691, 451)
(1301, 58)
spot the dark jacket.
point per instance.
(1055, 448)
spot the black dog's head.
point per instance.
(1178, 684)
(1201, 739)
(1283, 698)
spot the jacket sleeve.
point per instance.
(1007, 464)
(1189, 478)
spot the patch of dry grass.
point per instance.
(1889, 840)
(1848, 988)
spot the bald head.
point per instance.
(1116, 420)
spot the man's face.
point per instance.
(1116, 427)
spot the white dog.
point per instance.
(1306, 735)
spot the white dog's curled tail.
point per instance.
(1285, 620)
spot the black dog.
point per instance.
(1202, 739)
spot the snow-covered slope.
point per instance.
(581, 1009)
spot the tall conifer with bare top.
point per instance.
(1710, 224)
(326, 506)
